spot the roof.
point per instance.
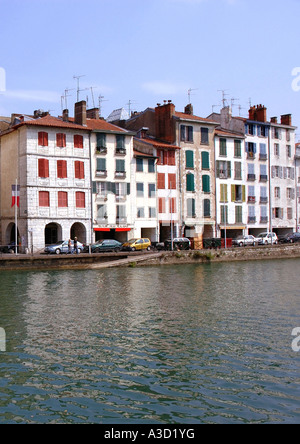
(185, 116)
(157, 144)
(118, 114)
(227, 133)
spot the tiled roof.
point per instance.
(227, 133)
(192, 117)
(158, 144)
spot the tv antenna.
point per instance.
(224, 100)
(240, 109)
(91, 88)
(190, 93)
(232, 102)
(101, 100)
(78, 88)
(64, 97)
(130, 102)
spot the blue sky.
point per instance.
(149, 51)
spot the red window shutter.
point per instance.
(62, 199)
(173, 205)
(43, 138)
(172, 181)
(44, 199)
(79, 170)
(80, 199)
(165, 157)
(171, 158)
(160, 155)
(161, 205)
(61, 140)
(62, 169)
(161, 181)
(43, 166)
(78, 141)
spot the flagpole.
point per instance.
(16, 218)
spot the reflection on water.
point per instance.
(188, 344)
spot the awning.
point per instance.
(107, 230)
(122, 230)
(102, 229)
(232, 227)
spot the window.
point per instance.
(43, 138)
(237, 193)
(290, 213)
(204, 136)
(172, 181)
(171, 157)
(223, 147)
(140, 212)
(190, 182)
(101, 213)
(290, 193)
(61, 140)
(263, 151)
(161, 205)
(206, 208)
(237, 148)
(62, 169)
(276, 133)
(276, 149)
(186, 133)
(263, 195)
(251, 150)
(277, 192)
(44, 199)
(238, 214)
(121, 190)
(277, 213)
(289, 151)
(79, 170)
(206, 184)
(223, 169)
(120, 139)
(263, 173)
(101, 142)
(140, 190)
(121, 214)
(139, 165)
(251, 171)
(151, 190)
(191, 207)
(189, 159)
(224, 214)
(152, 212)
(161, 182)
(101, 166)
(238, 170)
(251, 215)
(223, 193)
(160, 155)
(80, 199)
(43, 167)
(62, 199)
(120, 166)
(151, 166)
(251, 194)
(205, 160)
(78, 141)
(251, 129)
(263, 214)
(172, 204)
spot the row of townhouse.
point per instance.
(158, 173)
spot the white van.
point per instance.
(267, 238)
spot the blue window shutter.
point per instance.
(254, 148)
(247, 147)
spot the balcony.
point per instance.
(251, 199)
(121, 152)
(103, 220)
(251, 155)
(121, 220)
(251, 220)
(102, 173)
(251, 177)
(264, 200)
(263, 178)
(263, 156)
(264, 220)
(120, 174)
(101, 150)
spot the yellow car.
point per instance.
(137, 245)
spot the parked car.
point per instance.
(179, 243)
(105, 246)
(137, 245)
(62, 247)
(244, 241)
(11, 248)
(267, 238)
(290, 238)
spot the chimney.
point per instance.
(261, 113)
(273, 119)
(164, 123)
(189, 109)
(65, 115)
(252, 113)
(80, 113)
(142, 133)
(286, 119)
(93, 113)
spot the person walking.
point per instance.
(69, 246)
(76, 245)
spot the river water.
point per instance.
(158, 345)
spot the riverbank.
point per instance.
(111, 260)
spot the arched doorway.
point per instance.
(53, 233)
(78, 230)
(10, 235)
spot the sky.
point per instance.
(137, 53)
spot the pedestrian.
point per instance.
(76, 245)
(69, 246)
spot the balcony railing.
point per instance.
(121, 221)
(252, 177)
(264, 220)
(264, 200)
(102, 173)
(263, 178)
(251, 220)
(251, 199)
(101, 150)
(263, 156)
(120, 174)
(120, 151)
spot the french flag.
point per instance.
(15, 192)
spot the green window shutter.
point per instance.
(189, 158)
(223, 147)
(228, 169)
(244, 193)
(94, 185)
(218, 168)
(205, 160)
(120, 166)
(101, 140)
(233, 196)
(206, 184)
(206, 208)
(190, 182)
(101, 164)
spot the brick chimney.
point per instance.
(80, 113)
(65, 115)
(164, 122)
(286, 119)
(93, 113)
(252, 112)
(189, 109)
(258, 113)
(273, 119)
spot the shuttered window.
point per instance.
(61, 140)
(191, 207)
(206, 184)
(161, 205)
(189, 159)
(44, 199)
(206, 209)
(205, 160)
(43, 138)
(190, 182)
(62, 199)
(80, 199)
(79, 170)
(78, 141)
(43, 167)
(161, 181)
(172, 181)
(62, 169)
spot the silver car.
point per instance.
(244, 241)
(62, 247)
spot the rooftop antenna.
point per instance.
(65, 97)
(232, 102)
(129, 106)
(250, 102)
(91, 88)
(224, 100)
(190, 93)
(240, 109)
(101, 100)
(78, 89)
